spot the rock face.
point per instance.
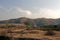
(38, 21)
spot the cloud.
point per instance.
(47, 13)
(37, 13)
(16, 12)
(24, 11)
(50, 13)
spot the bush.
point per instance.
(50, 33)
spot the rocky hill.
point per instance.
(37, 21)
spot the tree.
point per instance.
(55, 27)
(27, 24)
(27, 27)
(50, 31)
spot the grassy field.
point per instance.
(23, 33)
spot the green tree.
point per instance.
(27, 27)
(28, 24)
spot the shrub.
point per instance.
(50, 33)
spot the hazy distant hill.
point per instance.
(38, 21)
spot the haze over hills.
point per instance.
(37, 21)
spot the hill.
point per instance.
(37, 21)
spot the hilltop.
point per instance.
(37, 21)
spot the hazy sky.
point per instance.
(29, 8)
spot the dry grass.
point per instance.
(23, 33)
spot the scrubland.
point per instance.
(22, 32)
